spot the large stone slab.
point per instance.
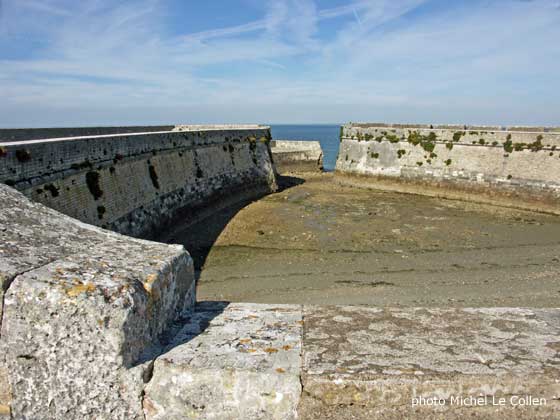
(394, 363)
(83, 311)
(32, 236)
(236, 361)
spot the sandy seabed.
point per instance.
(318, 242)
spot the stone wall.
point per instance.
(84, 311)
(297, 156)
(511, 167)
(137, 183)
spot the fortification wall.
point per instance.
(136, 184)
(297, 156)
(84, 311)
(510, 167)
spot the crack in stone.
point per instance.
(8, 283)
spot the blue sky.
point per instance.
(68, 62)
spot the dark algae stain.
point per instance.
(23, 155)
(199, 173)
(100, 212)
(92, 181)
(52, 189)
(154, 177)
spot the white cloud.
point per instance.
(227, 32)
(495, 57)
(44, 6)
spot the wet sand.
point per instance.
(317, 242)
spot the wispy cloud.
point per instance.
(227, 32)
(44, 6)
(487, 60)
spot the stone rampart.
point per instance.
(297, 156)
(511, 167)
(137, 183)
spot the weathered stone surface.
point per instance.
(230, 361)
(83, 311)
(371, 363)
(5, 392)
(297, 156)
(237, 361)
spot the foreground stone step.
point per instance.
(249, 361)
(365, 363)
(236, 361)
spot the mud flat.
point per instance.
(318, 242)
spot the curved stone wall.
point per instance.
(84, 311)
(137, 183)
(506, 166)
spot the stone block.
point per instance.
(83, 311)
(236, 361)
(375, 362)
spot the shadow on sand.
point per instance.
(198, 238)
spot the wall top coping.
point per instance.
(529, 129)
(309, 144)
(177, 129)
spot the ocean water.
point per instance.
(327, 135)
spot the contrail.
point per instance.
(357, 16)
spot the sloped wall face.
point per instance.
(523, 166)
(137, 184)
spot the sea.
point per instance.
(327, 134)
